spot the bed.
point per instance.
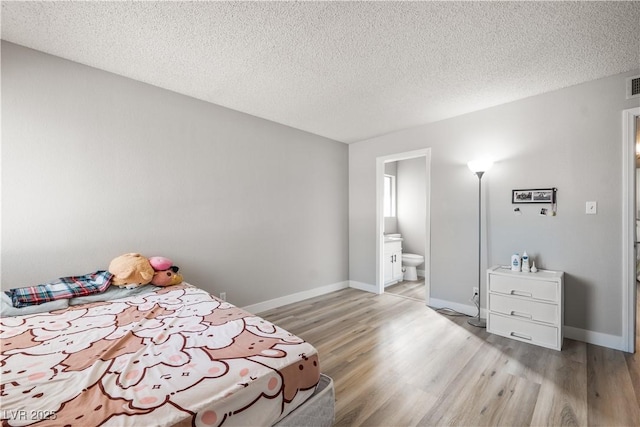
(173, 356)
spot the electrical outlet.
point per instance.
(223, 296)
(475, 291)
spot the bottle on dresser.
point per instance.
(515, 262)
(525, 262)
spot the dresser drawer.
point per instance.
(524, 309)
(523, 330)
(536, 289)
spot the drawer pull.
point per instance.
(521, 294)
(517, 335)
(523, 315)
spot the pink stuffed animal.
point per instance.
(166, 274)
(160, 263)
(167, 277)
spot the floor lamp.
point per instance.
(479, 167)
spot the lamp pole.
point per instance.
(478, 321)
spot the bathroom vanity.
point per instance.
(392, 259)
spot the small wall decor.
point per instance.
(535, 195)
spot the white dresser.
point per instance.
(527, 307)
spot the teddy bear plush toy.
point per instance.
(131, 270)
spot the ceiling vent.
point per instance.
(633, 87)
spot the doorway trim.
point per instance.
(380, 162)
(628, 228)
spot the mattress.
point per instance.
(317, 411)
(172, 356)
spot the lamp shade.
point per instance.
(480, 165)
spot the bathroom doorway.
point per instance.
(408, 176)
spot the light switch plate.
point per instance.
(592, 208)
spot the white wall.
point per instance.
(95, 165)
(570, 139)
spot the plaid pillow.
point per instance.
(63, 288)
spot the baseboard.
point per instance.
(363, 286)
(297, 297)
(597, 338)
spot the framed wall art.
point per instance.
(535, 195)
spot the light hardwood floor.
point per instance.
(409, 289)
(396, 362)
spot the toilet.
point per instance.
(410, 262)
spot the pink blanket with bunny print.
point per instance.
(174, 356)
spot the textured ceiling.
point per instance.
(344, 70)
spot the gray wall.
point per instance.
(95, 165)
(411, 182)
(570, 139)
